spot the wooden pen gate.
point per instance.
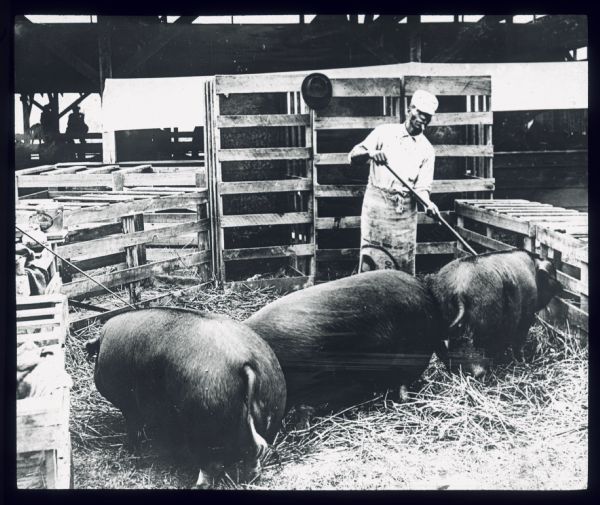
(258, 152)
(282, 191)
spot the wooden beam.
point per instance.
(471, 34)
(72, 60)
(104, 58)
(133, 63)
(82, 97)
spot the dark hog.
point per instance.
(341, 341)
(206, 382)
(488, 303)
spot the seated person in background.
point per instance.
(76, 127)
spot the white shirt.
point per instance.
(412, 158)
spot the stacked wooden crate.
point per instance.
(120, 217)
(558, 234)
(42, 426)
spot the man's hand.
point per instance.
(378, 157)
(432, 210)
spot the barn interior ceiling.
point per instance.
(77, 57)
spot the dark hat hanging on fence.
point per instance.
(316, 90)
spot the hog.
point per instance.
(341, 341)
(488, 303)
(203, 380)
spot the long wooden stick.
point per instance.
(437, 214)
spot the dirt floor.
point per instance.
(523, 427)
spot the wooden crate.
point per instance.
(122, 229)
(256, 126)
(115, 177)
(569, 253)
(558, 234)
(42, 319)
(43, 441)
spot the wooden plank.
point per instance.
(353, 253)
(238, 121)
(461, 185)
(52, 336)
(86, 286)
(49, 313)
(328, 191)
(174, 179)
(237, 188)
(42, 422)
(264, 153)
(455, 85)
(92, 231)
(265, 219)
(348, 123)
(558, 312)
(113, 244)
(118, 210)
(66, 180)
(462, 118)
(451, 150)
(570, 247)
(105, 169)
(423, 218)
(330, 159)
(282, 285)
(440, 151)
(169, 217)
(475, 201)
(572, 284)
(24, 301)
(244, 83)
(487, 242)
(67, 170)
(493, 218)
(366, 86)
(574, 230)
(268, 252)
(34, 170)
(350, 254)
(435, 247)
(334, 223)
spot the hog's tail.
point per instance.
(260, 444)
(92, 346)
(461, 312)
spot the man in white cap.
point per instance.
(389, 212)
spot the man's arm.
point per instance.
(363, 152)
(425, 181)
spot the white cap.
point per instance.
(424, 101)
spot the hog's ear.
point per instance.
(547, 284)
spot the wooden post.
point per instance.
(414, 38)
(132, 257)
(105, 72)
(203, 235)
(584, 299)
(218, 178)
(311, 141)
(27, 104)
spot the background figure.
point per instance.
(76, 127)
(49, 122)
